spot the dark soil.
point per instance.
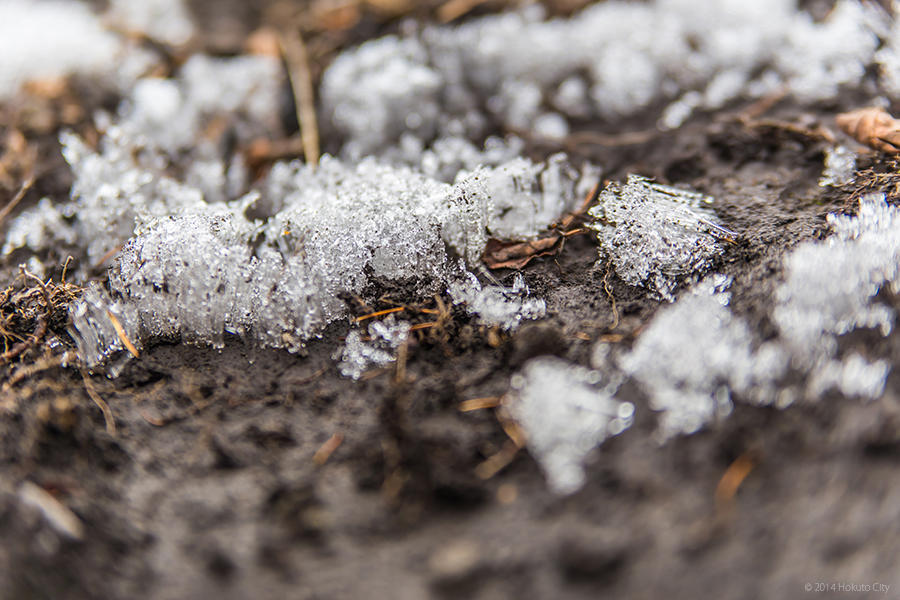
(208, 487)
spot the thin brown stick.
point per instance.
(612, 298)
(402, 355)
(297, 60)
(100, 402)
(155, 421)
(23, 189)
(511, 428)
(762, 106)
(65, 268)
(123, 337)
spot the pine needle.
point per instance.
(120, 331)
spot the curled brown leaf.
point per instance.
(873, 127)
(515, 255)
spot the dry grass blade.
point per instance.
(297, 60)
(872, 127)
(109, 254)
(610, 140)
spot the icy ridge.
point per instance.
(198, 269)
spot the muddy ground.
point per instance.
(211, 486)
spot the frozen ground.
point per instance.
(289, 380)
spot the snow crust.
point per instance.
(195, 250)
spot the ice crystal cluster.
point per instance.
(359, 354)
(696, 354)
(831, 287)
(95, 317)
(495, 305)
(447, 157)
(656, 235)
(172, 114)
(840, 167)
(610, 60)
(565, 411)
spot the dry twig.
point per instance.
(23, 189)
(297, 60)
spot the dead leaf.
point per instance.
(515, 255)
(873, 127)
